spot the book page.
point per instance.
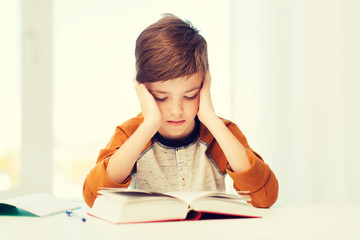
(192, 196)
(189, 196)
(132, 195)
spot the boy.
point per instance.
(177, 142)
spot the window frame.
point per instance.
(36, 98)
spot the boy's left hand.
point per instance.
(206, 112)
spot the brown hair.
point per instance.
(168, 49)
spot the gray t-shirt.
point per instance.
(177, 166)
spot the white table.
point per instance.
(291, 222)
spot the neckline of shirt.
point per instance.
(180, 143)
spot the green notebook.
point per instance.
(35, 205)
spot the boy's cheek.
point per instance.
(198, 102)
(194, 107)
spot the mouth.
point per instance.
(176, 123)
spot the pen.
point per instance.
(72, 214)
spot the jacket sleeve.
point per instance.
(258, 180)
(97, 177)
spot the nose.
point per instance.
(176, 107)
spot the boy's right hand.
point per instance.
(149, 107)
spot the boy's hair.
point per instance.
(168, 49)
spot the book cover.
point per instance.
(35, 205)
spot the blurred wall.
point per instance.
(296, 82)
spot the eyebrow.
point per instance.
(162, 92)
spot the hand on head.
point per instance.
(206, 109)
(149, 107)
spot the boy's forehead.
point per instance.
(182, 84)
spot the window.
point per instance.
(10, 95)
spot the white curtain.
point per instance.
(295, 94)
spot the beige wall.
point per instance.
(296, 82)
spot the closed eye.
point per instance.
(191, 97)
(160, 99)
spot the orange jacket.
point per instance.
(258, 180)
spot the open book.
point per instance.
(135, 206)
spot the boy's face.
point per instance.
(178, 100)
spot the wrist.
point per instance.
(212, 122)
(150, 126)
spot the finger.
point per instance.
(143, 92)
(206, 81)
(208, 77)
(142, 88)
(136, 84)
(205, 87)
